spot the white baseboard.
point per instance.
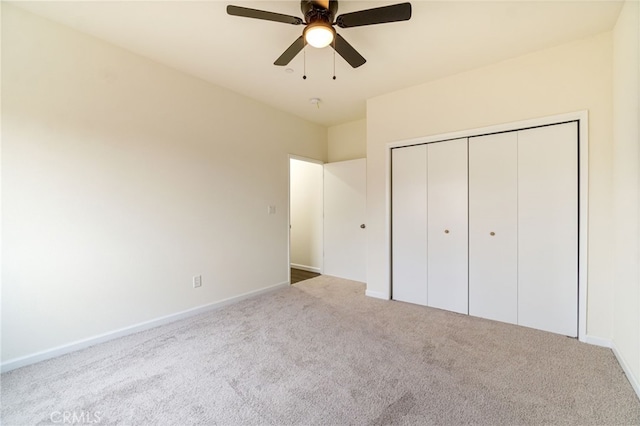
(307, 268)
(635, 381)
(377, 294)
(598, 341)
(12, 364)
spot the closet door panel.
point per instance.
(447, 225)
(409, 224)
(493, 241)
(548, 228)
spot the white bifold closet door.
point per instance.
(409, 223)
(429, 226)
(548, 228)
(447, 274)
(493, 227)
(523, 227)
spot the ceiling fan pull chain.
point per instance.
(334, 58)
(304, 61)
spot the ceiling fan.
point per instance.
(319, 22)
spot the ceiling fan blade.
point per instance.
(347, 51)
(378, 15)
(245, 12)
(291, 52)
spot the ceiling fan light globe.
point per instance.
(319, 35)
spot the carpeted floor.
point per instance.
(321, 352)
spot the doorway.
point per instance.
(305, 218)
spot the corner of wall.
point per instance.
(347, 141)
(626, 191)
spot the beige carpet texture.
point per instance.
(322, 353)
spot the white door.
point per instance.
(493, 227)
(447, 245)
(548, 228)
(409, 224)
(345, 185)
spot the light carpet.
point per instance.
(320, 352)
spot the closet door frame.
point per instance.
(582, 118)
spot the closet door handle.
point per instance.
(446, 231)
(492, 233)
(363, 226)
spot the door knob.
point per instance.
(492, 233)
(446, 231)
(363, 226)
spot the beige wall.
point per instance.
(122, 179)
(626, 187)
(566, 78)
(347, 141)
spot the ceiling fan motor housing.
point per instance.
(313, 12)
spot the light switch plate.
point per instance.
(197, 281)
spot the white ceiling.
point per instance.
(442, 38)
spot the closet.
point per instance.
(488, 226)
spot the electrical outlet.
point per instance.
(197, 281)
